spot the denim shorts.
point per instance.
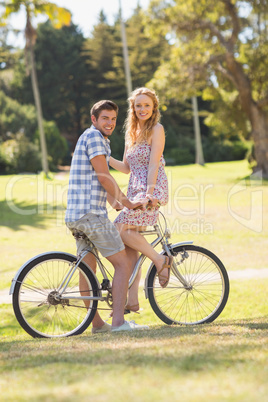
(100, 231)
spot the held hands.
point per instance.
(141, 204)
(152, 202)
(148, 202)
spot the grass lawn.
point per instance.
(218, 207)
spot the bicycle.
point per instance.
(55, 294)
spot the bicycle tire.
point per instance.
(36, 309)
(207, 293)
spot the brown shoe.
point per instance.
(129, 309)
(132, 309)
(167, 264)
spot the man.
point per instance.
(89, 185)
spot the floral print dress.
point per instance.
(138, 158)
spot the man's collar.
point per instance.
(105, 139)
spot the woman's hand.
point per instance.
(153, 202)
(143, 203)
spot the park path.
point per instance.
(245, 274)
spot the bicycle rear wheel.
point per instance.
(39, 308)
(203, 296)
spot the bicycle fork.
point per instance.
(168, 249)
(173, 267)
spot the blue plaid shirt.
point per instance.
(85, 193)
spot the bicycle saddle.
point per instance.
(77, 234)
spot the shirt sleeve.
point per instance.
(95, 145)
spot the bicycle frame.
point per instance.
(68, 277)
(162, 236)
(166, 249)
(43, 288)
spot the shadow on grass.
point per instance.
(178, 349)
(113, 350)
(21, 213)
(258, 181)
(158, 332)
(260, 323)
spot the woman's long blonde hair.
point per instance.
(131, 123)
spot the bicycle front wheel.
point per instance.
(197, 291)
(40, 307)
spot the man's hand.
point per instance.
(118, 206)
(141, 204)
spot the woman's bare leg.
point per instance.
(132, 238)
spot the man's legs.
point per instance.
(90, 260)
(122, 271)
(122, 274)
(104, 235)
(132, 299)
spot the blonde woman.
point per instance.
(143, 159)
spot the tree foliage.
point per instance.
(62, 76)
(15, 118)
(75, 72)
(19, 139)
(59, 17)
(219, 46)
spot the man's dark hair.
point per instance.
(103, 105)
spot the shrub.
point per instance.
(19, 155)
(15, 117)
(57, 146)
(216, 150)
(28, 156)
(182, 154)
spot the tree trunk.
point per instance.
(199, 156)
(258, 118)
(259, 123)
(39, 112)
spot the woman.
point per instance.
(143, 159)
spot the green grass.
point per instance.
(223, 361)
(32, 221)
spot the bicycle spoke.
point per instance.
(38, 304)
(204, 294)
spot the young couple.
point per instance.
(91, 184)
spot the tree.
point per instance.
(19, 135)
(9, 58)
(63, 78)
(105, 62)
(219, 45)
(104, 51)
(145, 50)
(59, 16)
